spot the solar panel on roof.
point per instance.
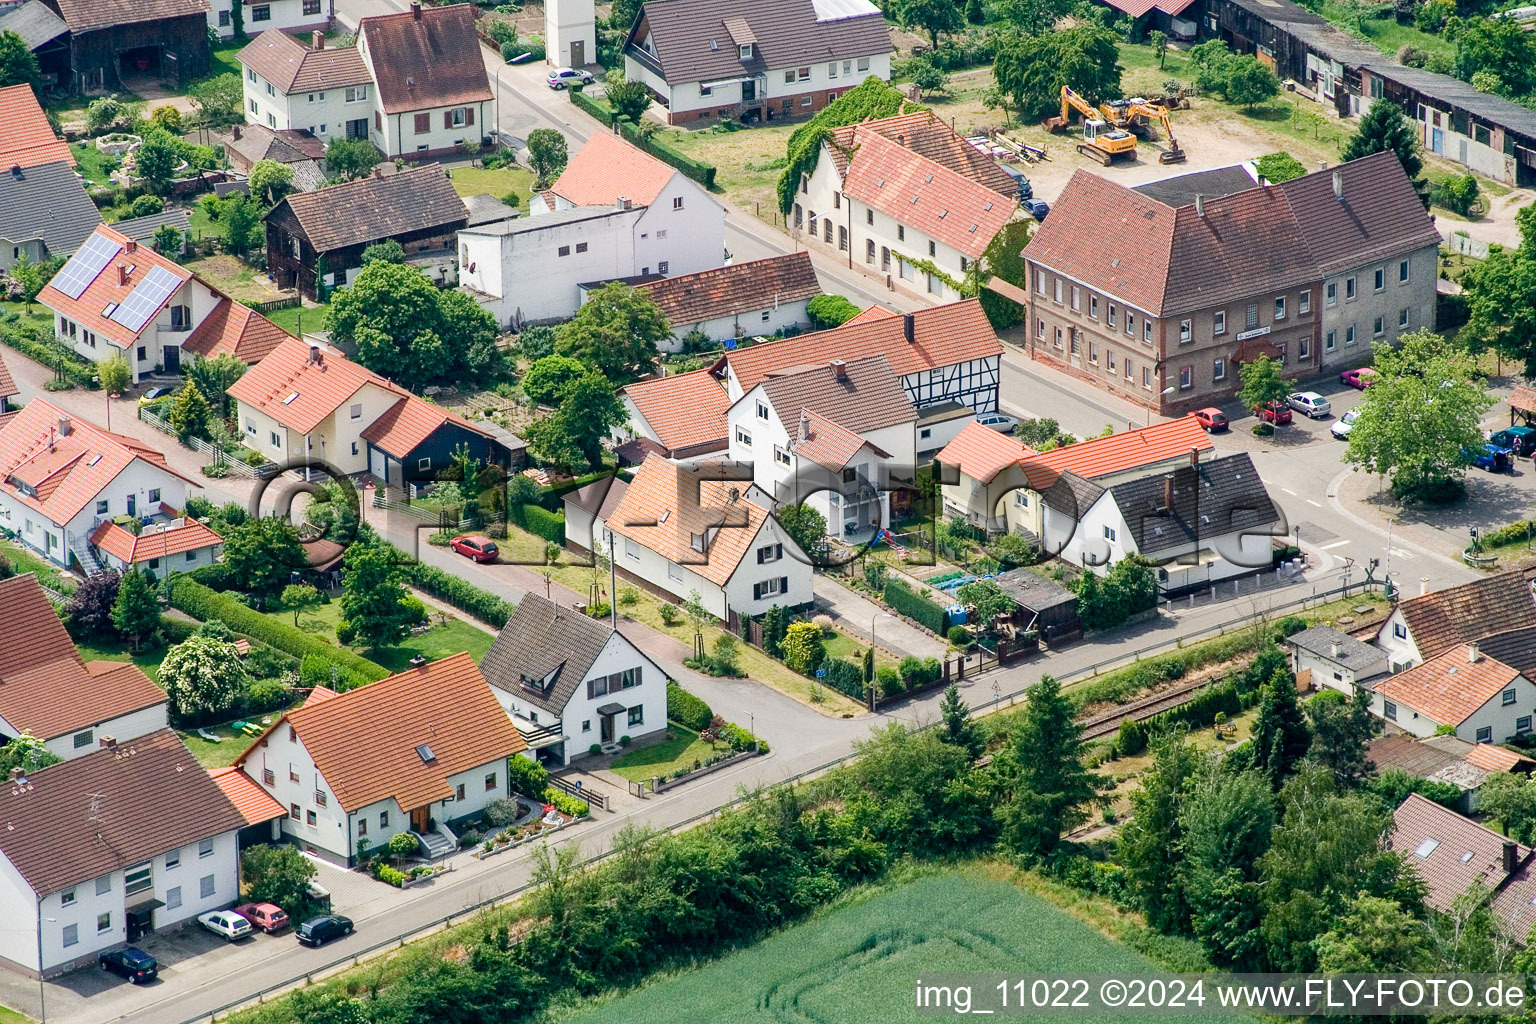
(158, 285)
(84, 265)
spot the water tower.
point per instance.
(570, 32)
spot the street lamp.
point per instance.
(112, 396)
(876, 617)
(1170, 389)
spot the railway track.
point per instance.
(1109, 721)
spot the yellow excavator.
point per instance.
(1102, 141)
(1136, 115)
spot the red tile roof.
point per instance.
(928, 135)
(739, 288)
(365, 742)
(292, 67)
(829, 444)
(1437, 842)
(667, 505)
(254, 804)
(1118, 452)
(1450, 688)
(684, 410)
(607, 167)
(26, 137)
(867, 396)
(8, 386)
(981, 452)
(110, 287)
(45, 687)
(426, 57)
(1440, 620)
(235, 328)
(188, 535)
(409, 422)
(1495, 759)
(1522, 399)
(1136, 8)
(924, 195)
(65, 472)
(318, 388)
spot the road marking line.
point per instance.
(1336, 544)
(1287, 490)
(1313, 503)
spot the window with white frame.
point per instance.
(1093, 307)
(743, 438)
(1380, 278)
(1280, 308)
(1304, 302)
(1403, 272)
(1186, 378)
(1186, 332)
(1219, 369)
(1219, 322)
(631, 550)
(1402, 317)
(1110, 533)
(1331, 293)
(1330, 341)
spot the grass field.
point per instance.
(857, 963)
(440, 641)
(148, 659)
(468, 181)
(684, 748)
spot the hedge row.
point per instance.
(844, 677)
(601, 111)
(698, 170)
(1222, 698)
(202, 603)
(1509, 533)
(916, 607)
(27, 340)
(687, 710)
(540, 522)
(464, 596)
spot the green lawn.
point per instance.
(24, 560)
(147, 659)
(93, 163)
(841, 645)
(1383, 31)
(39, 314)
(451, 637)
(469, 181)
(856, 962)
(10, 1016)
(216, 755)
(680, 750)
(297, 319)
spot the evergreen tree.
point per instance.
(1226, 819)
(1049, 787)
(1341, 727)
(1150, 841)
(1384, 128)
(975, 12)
(136, 612)
(958, 729)
(1280, 736)
(189, 412)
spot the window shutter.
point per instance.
(760, 553)
(378, 121)
(469, 115)
(757, 591)
(783, 584)
(591, 688)
(447, 119)
(778, 552)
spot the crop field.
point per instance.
(857, 963)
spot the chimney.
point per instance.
(236, 131)
(1511, 857)
(418, 661)
(317, 39)
(1336, 649)
(1474, 652)
(1199, 205)
(805, 425)
(315, 355)
(415, 10)
(909, 328)
(122, 276)
(623, 202)
(1322, 165)
(130, 246)
(1168, 491)
(107, 742)
(1338, 185)
(901, 140)
(65, 426)
(1423, 585)
(839, 369)
(1194, 456)
(16, 172)
(18, 773)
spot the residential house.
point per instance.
(327, 91)
(262, 15)
(114, 42)
(906, 196)
(1325, 657)
(61, 478)
(1436, 758)
(233, 328)
(684, 415)
(143, 229)
(741, 300)
(679, 530)
(1483, 700)
(591, 504)
(173, 545)
(1429, 625)
(8, 391)
(762, 61)
(615, 212)
(49, 692)
(129, 839)
(315, 240)
(406, 754)
(570, 682)
(1137, 297)
(839, 437)
(262, 814)
(305, 403)
(432, 92)
(298, 149)
(44, 210)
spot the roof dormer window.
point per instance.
(746, 51)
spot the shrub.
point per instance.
(629, 597)
(596, 748)
(830, 310)
(32, 342)
(1458, 194)
(670, 616)
(959, 636)
(1291, 625)
(597, 109)
(687, 710)
(915, 606)
(844, 676)
(888, 681)
(501, 813)
(565, 803)
(624, 741)
(527, 776)
(441, 538)
(601, 610)
(463, 595)
(916, 672)
(540, 522)
(266, 695)
(802, 647)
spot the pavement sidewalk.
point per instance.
(855, 614)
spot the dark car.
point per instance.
(1275, 413)
(317, 931)
(1521, 439)
(475, 547)
(134, 964)
(154, 394)
(1213, 420)
(1036, 208)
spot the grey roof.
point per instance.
(694, 44)
(372, 209)
(1484, 106)
(1230, 498)
(46, 202)
(1379, 216)
(1515, 648)
(1033, 591)
(868, 396)
(1355, 654)
(1426, 760)
(483, 208)
(601, 496)
(555, 218)
(943, 413)
(1071, 495)
(1312, 29)
(540, 640)
(1182, 189)
(34, 22)
(142, 229)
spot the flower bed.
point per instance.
(391, 875)
(553, 820)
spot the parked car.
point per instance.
(154, 394)
(1309, 404)
(1213, 420)
(562, 77)
(1274, 413)
(475, 547)
(1036, 208)
(269, 917)
(1521, 439)
(1494, 459)
(1000, 422)
(317, 931)
(1345, 424)
(134, 964)
(1359, 378)
(226, 923)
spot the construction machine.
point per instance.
(1136, 115)
(1102, 141)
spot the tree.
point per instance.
(270, 181)
(830, 310)
(615, 332)
(157, 162)
(623, 13)
(1384, 128)
(26, 752)
(1226, 819)
(1341, 727)
(1280, 735)
(220, 99)
(1510, 799)
(261, 553)
(1159, 40)
(802, 648)
(189, 412)
(1264, 383)
(168, 241)
(373, 599)
(546, 155)
(241, 216)
(89, 610)
(975, 12)
(549, 380)
(590, 411)
(298, 596)
(1501, 298)
(389, 251)
(203, 677)
(29, 276)
(1031, 69)
(281, 875)
(392, 314)
(213, 377)
(988, 599)
(931, 16)
(1421, 415)
(805, 526)
(1149, 842)
(629, 100)
(18, 65)
(1032, 17)
(1047, 787)
(958, 729)
(1376, 935)
(1496, 45)
(1249, 81)
(135, 611)
(1278, 167)
(350, 159)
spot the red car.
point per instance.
(1276, 413)
(475, 547)
(1213, 420)
(1359, 379)
(269, 917)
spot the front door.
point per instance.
(133, 504)
(419, 820)
(1436, 140)
(607, 729)
(172, 356)
(578, 53)
(748, 91)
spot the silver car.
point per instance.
(1000, 422)
(1344, 425)
(226, 923)
(1309, 403)
(562, 77)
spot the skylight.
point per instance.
(289, 400)
(95, 458)
(1466, 856)
(425, 753)
(1426, 848)
(111, 308)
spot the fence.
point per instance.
(273, 305)
(434, 516)
(197, 444)
(595, 797)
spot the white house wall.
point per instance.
(1494, 715)
(527, 278)
(326, 112)
(287, 15)
(675, 239)
(281, 754)
(1395, 638)
(747, 324)
(738, 589)
(400, 138)
(123, 728)
(19, 906)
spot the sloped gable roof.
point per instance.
(186, 535)
(235, 328)
(108, 289)
(255, 804)
(8, 386)
(606, 168)
(373, 209)
(666, 506)
(981, 453)
(1448, 689)
(685, 410)
(26, 137)
(1436, 841)
(1442, 619)
(299, 391)
(409, 422)
(1378, 214)
(1218, 497)
(544, 642)
(292, 67)
(865, 396)
(1117, 453)
(738, 288)
(46, 202)
(928, 135)
(85, 15)
(426, 57)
